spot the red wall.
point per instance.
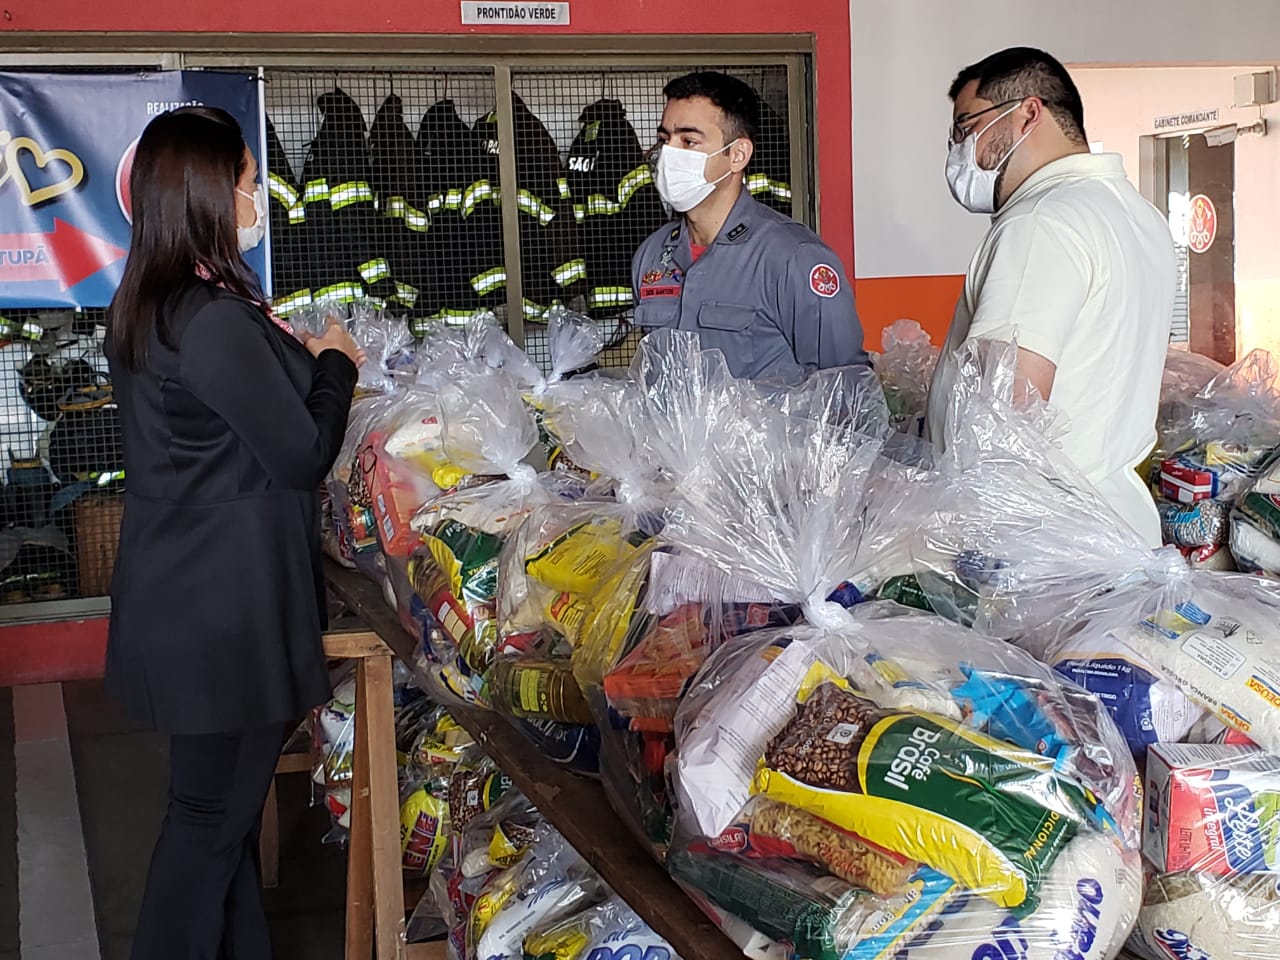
(827, 20)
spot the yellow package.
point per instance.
(566, 941)
(577, 560)
(508, 847)
(424, 828)
(568, 611)
(489, 904)
(987, 813)
(609, 612)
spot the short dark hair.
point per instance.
(1026, 72)
(735, 98)
(183, 185)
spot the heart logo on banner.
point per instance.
(13, 170)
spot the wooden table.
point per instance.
(577, 807)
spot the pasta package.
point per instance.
(774, 830)
(981, 810)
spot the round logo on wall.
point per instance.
(123, 171)
(1202, 224)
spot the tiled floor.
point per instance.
(119, 777)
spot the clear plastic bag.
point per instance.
(1255, 522)
(551, 881)
(905, 367)
(451, 586)
(1055, 791)
(1240, 405)
(574, 341)
(386, 340)
(1024, 550)
(940, 746)
(1211, 444)
(1213, 839)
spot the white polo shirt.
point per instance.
(1082, 268)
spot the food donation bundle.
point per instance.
(864, 700)
(1219, 430)
(1186, 660)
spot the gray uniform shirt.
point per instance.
(769, 294)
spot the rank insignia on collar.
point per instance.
(737, 232)
(674, 235)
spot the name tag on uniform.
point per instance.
(665, 282)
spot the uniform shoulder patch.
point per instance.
(824, 280)
(739, 231)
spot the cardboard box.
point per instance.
(1212, 808)
(1182, 480)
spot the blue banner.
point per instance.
(66, 150)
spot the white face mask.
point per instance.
(252, 235)
(973, 187)
(682, 176)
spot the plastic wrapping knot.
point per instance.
(826, 615)
(1164, 566)
(522, 475)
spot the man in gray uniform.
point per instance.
(752, 283)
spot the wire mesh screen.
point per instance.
(382, 189)
(386, 185)
(62, 495)
(586, 195)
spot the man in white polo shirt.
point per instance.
(1077, 264)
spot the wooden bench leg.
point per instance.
(375, 885)
(359, 945)
(269, 840)
(379, 741)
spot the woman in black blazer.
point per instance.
(230, 425)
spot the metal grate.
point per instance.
(388, 185)
(1180, 331)
(584, 141)
(61, 500)
(385, 184)
(380, 189)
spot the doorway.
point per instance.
(1192, 181)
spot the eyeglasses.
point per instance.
(964, 126)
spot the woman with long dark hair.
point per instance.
(229, 425)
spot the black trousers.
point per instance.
(204, 890)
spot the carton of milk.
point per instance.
(1212, 808)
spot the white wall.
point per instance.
(906, 52)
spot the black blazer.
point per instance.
(218, 597)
